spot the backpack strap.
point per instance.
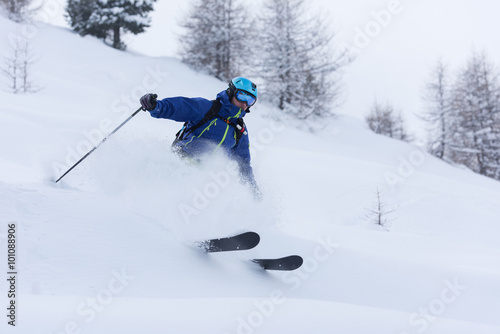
(239, 127)
(211, 114)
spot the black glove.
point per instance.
(148, 101)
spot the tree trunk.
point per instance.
(116, 37)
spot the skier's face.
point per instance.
(241, 105)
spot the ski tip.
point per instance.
(254, 236)
(297, 261)
(287, 263)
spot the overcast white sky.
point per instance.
(397, 41)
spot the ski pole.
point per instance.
(102, 141)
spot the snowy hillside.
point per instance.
(109, 248)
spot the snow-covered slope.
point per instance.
(108, 249)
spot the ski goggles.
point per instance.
(243, 96)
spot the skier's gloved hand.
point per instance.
(148, 101)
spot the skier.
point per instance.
(210, 125)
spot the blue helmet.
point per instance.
(240, 84)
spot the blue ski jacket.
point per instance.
(212, 135)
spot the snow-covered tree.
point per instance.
(16, 9)
(109, 19)
(218, 38)
(384, 120)
(78, 14)
(438, 114)
(16, 67)
(296, 60)
(10, 69)
(476, 111)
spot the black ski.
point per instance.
(291, 262)
(249, 240)
(243, 241)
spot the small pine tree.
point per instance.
(16, 67)
(109, 19)
(10, 69)
(383, 120)
(379, 212)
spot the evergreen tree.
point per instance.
(218, 38)
(78, 14)
(109, 19)
(383, 120)
(297, 63)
